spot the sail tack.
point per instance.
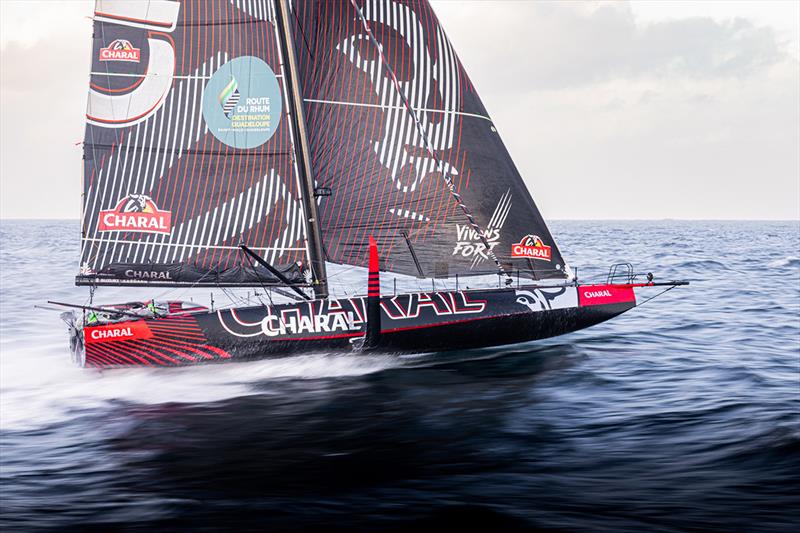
(188, 151)
(369, 150)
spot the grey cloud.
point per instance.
(556, 45)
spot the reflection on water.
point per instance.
(680, 415)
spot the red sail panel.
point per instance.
(188, 148)
(367, 147)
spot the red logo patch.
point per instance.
(137, 213)
(604, 295)
(120, 50)
(123, 331)
(531, 247)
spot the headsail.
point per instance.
(188, 151)
(367, 148)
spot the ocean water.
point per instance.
(680, 415)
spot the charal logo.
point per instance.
(137, 213)
(469, 244)
(531, 247)
(122, 331)
(120, 50)
(148, 274)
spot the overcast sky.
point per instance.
(613, 110)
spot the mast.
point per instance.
(303, 154)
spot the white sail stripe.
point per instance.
(221, 221)
(283, 239)
(194, 235)
(177, 127)
(151, 125)
(505, 213)
(171, 258)
(185, 121)
(113, 187)
(165, 148)
(245, 218)
(99, 198)
(195, 119)
(179, 252)
(122, 181)
(268, 207)
(197, 245)
(226, 230)
(190, 116)
(237, 201)
(503, 216)
(211, 227)
(200, 120)
(497, 210)
(388, 108)
(162, 118)
(441, 80)
(253, 210)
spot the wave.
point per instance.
(791, 262)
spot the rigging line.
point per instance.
(424, 134)
(656, 296)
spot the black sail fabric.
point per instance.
(188, 148)
(367, 148)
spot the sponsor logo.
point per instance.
(469, 244)
(293, 322)
(242, 103)
(136, 213)
(118, 332)
(598, 294)
(531, 247)
(341, 318)
(120, 50)
(605, 294)
(229, 97)
(147, 274)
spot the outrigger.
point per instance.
(251, 144)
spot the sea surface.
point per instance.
(680, 415)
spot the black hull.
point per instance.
(410, 323)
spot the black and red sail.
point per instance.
(368, 149)
(187, 150)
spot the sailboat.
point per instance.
(257, 143)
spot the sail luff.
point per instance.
(311, 216)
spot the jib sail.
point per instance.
(188, 151)
(367, 148)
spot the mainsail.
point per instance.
(188, 149)
(367, 147)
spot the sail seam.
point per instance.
(397, 107)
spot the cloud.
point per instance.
(607, 116)
(546, 45)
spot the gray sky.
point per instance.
(611, 109)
